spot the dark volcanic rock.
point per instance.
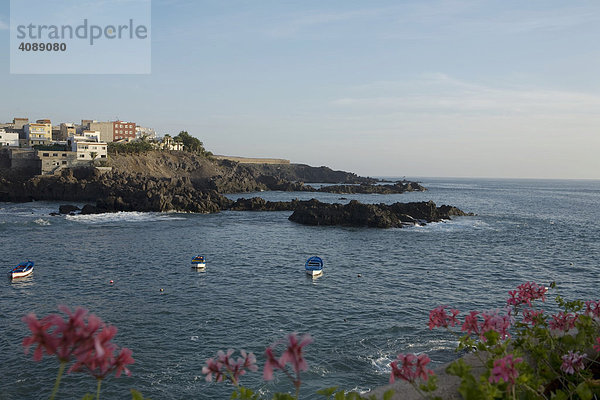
(273, 183)
(67, 209)
(115, 192)
(260, 204)
(398, 187)
(396, 215)
(89, 209)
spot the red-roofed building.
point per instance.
(123, 130)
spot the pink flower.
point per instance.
(572, 362)
(505, 369)
(101, 365)
(597, 345)
(493, 321)
(41, 335)
(213, 367)
(97, 355)
(123, 359)
(272, 362)
(592, 308)
(563, 321)
(439, 318)
(82, 336)
(526, 293)
(530, 316)
(225, 367)
(293, 355)
(413, 367)
(471, 324)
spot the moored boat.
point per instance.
(21, 270)
(198, 262)
(314, 266)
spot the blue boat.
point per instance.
(314, 266)
(21, 270)
(198, 262)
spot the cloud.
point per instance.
(3, 25)
(441, 94)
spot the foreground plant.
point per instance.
(528, 353)
(82, 337)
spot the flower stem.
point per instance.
(61, 369)
(98, 389)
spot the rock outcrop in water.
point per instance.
(398, 187)
(314, 212)
(260, 204)
(396, 215)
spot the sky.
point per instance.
(457, 88)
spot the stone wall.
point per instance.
(248, 160)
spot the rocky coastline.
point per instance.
(198, 185)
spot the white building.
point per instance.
(141, 131)
(9, 138)
(88, 146)
(168, 143)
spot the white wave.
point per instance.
(382, 364)
(123, 216)
(456, 224)
(42, 222)
(360, 390)
(434, 345)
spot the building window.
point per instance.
(46, 155)
(64, 154)
(81, 155)
(64, 163)
(54, 154)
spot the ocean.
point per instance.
(371, 303)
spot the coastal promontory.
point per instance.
(180, 181)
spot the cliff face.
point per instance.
(179, 181)
(226, 176)
(115, 192)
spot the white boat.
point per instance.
(314, 266)
(21, 270)
(198, 262)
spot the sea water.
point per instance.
(371, 303)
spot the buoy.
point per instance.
(359, 275)
(111, 281)
(162, 290)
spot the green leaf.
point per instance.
(340, 395)
(88, 396)
(327, 392)
(388, 394)
(431, 384)
(584, 391)
(243, 393)
(135, 395)
(459, 368)
(559, 395)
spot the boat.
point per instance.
(198, 262)
(314, 266)
(21, 270)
